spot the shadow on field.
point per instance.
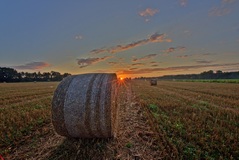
(81, 149)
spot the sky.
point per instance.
(136, 38)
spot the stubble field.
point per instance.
(200, 119)
(173, 120)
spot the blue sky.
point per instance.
(131, 38)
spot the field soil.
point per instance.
(135, 138)
(173, 120)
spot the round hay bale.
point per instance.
(84, 106)
(153, 82)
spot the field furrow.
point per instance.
(195, 122)
(173, 120)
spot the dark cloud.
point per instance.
(32, 66)
(204, 61)
(155, 38)
(84, 62)
(174, 49)
(154, 65)
(183, 56)
(176, 68)
(137, 64)
(97, 51)
(171, 49)
(153, 62)
(144, 58)
(133, 69)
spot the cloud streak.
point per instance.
(176, 68)
(221, 10)
(228, 1)
(148, 12)
(137, 64)
(183, 56)
(204, 61)
(78, 37)
(174, 49)
(144, 58)
(32, 66)
(154, 38)
(113, 63)
(183, 3)
(85, 62)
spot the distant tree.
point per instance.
(55, 76)
(46, 76)
(66, 74)
(11, 75)
(8, 75)
(205, 75)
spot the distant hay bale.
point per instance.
(153, 82)
(84, 106)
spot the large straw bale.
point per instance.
(84, 106)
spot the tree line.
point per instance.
(204, 75)
(11, 75)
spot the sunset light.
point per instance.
(134, 39)
(119, 79)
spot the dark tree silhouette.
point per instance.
(11, 75)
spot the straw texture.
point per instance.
(84, 106)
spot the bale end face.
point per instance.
(84, 106)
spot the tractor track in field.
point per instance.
(136, 138)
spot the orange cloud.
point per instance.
(32, 66)
(154, 38)
(84, 62)
(148, 12)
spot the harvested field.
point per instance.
(200, 119)
(173, 120)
